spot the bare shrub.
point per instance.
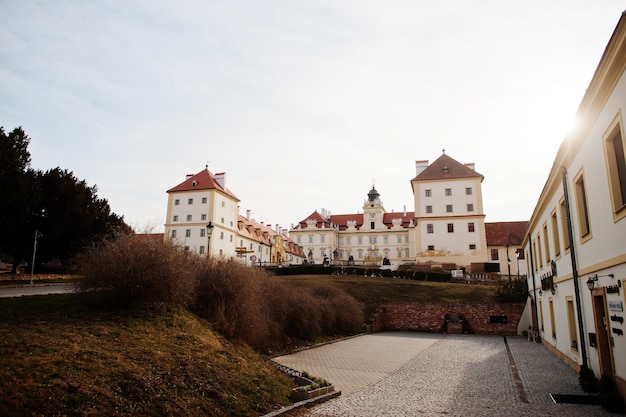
(230, 296)
(341, 313)
(129, 270)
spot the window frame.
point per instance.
(616, 166)
(582, 206)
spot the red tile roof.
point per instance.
(203, 180)
(503, 233)
(341, 220)
(437, 170)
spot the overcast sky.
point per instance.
(303, 104)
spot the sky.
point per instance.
(304, 105)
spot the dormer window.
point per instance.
(194, 183)
(446, 170)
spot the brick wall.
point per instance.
(494, 318)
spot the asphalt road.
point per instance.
(35, 290)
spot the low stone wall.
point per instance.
(493, 318)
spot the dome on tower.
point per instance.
(373, 194)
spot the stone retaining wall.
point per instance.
(493, 318)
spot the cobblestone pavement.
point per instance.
(451, 375)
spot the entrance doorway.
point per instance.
(603, 335)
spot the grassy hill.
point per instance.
(60, 356)
(372, 292)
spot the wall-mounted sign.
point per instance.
(616, 306)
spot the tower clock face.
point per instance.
(372, 215)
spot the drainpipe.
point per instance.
(572, 252)
(532, 272)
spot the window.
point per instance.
(470, 227)
(450, 227)
(495, 255)
(541, 314)
(188, 233)
(468, 191)
(564, 226)
(449, 208)
(189, 217)
(540, 260)
(222, 220)
(571, 324)
(399, 253)
(360, 240)
(431, 247)
(372, 225)
(202, 232)
(385, 239)
(299, 240)
(203, 217)
(429, 209)
(176, 202)
(174, 233)
(175, 218)
(555, 234)
(223, 204)
(472, 246)
(349, 240)
(399, 239)
(310, 239)
(616, 164)
(429, 228)
(323, 238)
(545, 242)
(203, 200)
(582, 207)
(190, 201)
(448, 192)
(552, 322)
(201, 250)
(222, 235)
(534, 254)
(470, 207)
(406, 253)
(428, 193)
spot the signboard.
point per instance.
(253, 258)
(616, 306)
(457, 273)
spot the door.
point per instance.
(603, 334)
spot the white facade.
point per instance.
(203, 217)
(449, 213)
(587, 183)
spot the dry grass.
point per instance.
(372, 292)
(59, 356)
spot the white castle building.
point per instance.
(447, 225)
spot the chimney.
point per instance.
(248, 214)
(405, 210)
(420, 166)
(471, 165)
(221, 179)
(188, 176)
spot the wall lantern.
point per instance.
(540, 293)
(591, 282)
(553, 289)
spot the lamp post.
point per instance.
(32, 267)
(508, 261)
(209, 230)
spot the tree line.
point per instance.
(64, 212)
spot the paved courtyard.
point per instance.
(419, 374)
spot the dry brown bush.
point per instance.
(130, 270)
(240, 302)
